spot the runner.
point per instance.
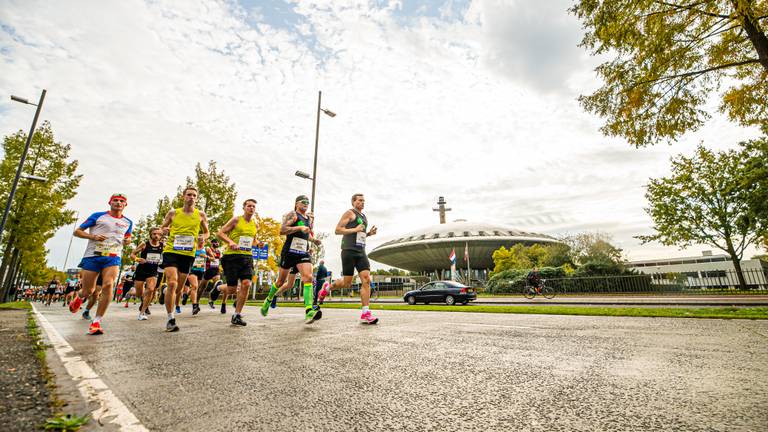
(240, 236)
(212, 262)
(108, 232)
(183, 225)
(53, 285)
(150, 256)
(69, 292)
(93, 298)
(198, 271)
(352, 226)
(129, 285)
(294, 258)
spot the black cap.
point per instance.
(302, 198)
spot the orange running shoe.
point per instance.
(75, 304)
(95, 329)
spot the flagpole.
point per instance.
(469, 271)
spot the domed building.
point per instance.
(427, 250)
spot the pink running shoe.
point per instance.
(323, 293)
(75, 304)
(368, 318)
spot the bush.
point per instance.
(513, 281)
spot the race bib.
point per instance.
(214, 263)
(245, 243)
(108, 247)
(199, 262)
(183, 243)
(360, 240)
(299, 246)
(154, 258)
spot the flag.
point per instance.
(452, 256)
(466, 251)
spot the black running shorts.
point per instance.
(183, 263)
(237, 267)
(290, 261)
(352, 260)
(211, 273)
(198, 273)
(144, 272)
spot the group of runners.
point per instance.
(177, 253)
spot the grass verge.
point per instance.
(16, 305)
(654, 312)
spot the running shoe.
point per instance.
(273, 304)
(147, 312)
(265, 307)
(126, 305)
(184, 299)
(178, 309)
(323, 293)
(86, 315)
(161, 299)
(309, 316)
(95, 329)
(237, 320)
(368, 318)
(195, 309)
(75, 304)
(142, 317)
(211, 304)
(171, 326)
(223, 308)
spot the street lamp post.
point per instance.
(23, 156)
(331, 114)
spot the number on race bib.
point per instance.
(245, 243)
(183, 243)
(108, 247)
(360, 240)
(199, 262)
(154, 258)
(299, 246)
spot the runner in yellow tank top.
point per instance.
(182, 226)
(240, 236)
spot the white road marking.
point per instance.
(111, 409)
(489, 325)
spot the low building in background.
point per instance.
(704, 271)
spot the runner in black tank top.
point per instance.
(295, 258)
(353, 226)
(150, 255)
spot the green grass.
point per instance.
(66, 423)
(721, 312)
(16, 305)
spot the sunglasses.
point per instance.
(304, 201)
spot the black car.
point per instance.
(448, 292)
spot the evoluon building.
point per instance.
(427, 250)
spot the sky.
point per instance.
(471, 100)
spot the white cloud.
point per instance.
(459, 108)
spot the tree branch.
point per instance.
(695, 73)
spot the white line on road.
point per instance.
(488, 325)
(111, 409)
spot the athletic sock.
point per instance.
(96, 319)
(272, 291)
(308, 295)
(170, 316)
(365, 309)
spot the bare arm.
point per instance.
(288, 219)
(226, 229)
(166, 227)
(79, 232)
(348, 216)
(138, 251)
(204, 225)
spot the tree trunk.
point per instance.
(754, 33)
(11, 292)
(6, 281)
(6, 257)
(736, 264)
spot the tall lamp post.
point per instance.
(329, 113)
(39, 106)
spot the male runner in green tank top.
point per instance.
(182, 226)
(239, 234)
(352, 226)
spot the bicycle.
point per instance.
(530, 292)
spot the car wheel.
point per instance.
(449, 300)
(411, 300)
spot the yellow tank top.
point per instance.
(243, 234)
(182, 239)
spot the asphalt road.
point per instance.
(421, 371)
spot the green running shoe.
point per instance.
(309, 317)
(265, 308)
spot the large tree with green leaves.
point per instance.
(667, 58)
(38, 209)
(754, 184)
(703, 202)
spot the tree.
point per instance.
(669, 57)
(216, 195)
(38, 209)
(754, 184)
(593, 247)
(268, 231)
(702, 202)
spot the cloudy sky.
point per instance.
(472, 100)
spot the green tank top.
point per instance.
(243, 234)
(182, 239)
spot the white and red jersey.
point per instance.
(114, 228)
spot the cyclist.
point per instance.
(534, 279)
